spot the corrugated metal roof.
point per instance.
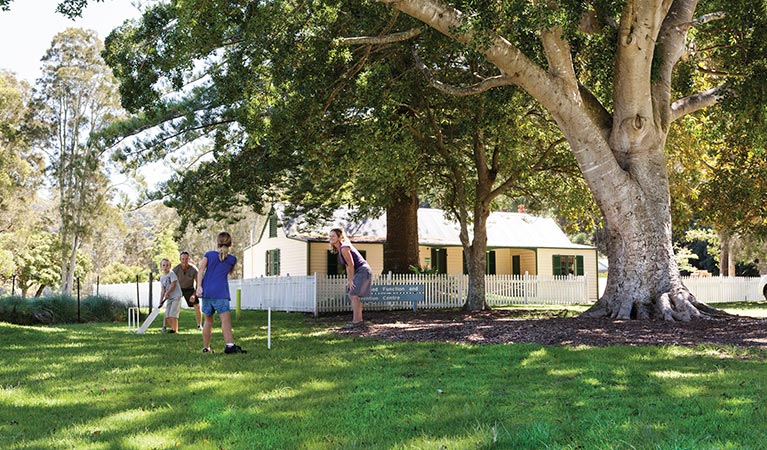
(504, 229)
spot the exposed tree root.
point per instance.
(678, 306)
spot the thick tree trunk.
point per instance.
(477, 262)
(401, 248)
(476, 298)
(726, 260)
(643, 278)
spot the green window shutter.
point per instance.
(273, 226)
(556, 265)
(276, 262)
(579, 265)
(490, 270)
(435, 259)
(267, 263)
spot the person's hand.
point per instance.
(199, 291)
(351, 284)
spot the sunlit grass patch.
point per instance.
(99, 386)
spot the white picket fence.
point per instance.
(318, 293)
(724, 289)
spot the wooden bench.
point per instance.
(412, 293)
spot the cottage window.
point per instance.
(567, 265)
(273, 262)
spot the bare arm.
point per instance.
(201, 273)
(347, 255)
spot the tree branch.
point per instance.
(696, 102)
(482, 86)
(378, 40)
(560, 60)
(498, 51)
(670, 47)
(640, 26)
(706, 18)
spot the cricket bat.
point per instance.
(153, 315)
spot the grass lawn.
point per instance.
(98, 386)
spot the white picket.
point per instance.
(320, 293)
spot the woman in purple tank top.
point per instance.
(358, 272)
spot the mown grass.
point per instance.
(98, 386)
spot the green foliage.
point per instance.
(20, 166)
(117, 273)
(422, 270)
(69, 8)
(35, 256)
(164, 246)
(102, 309)
(60, 309)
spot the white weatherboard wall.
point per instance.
(293, 255)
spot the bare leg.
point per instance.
(173, 324)
(206, 330)
(198, 314)
(226, 326)
(356, 308)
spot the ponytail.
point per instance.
(224, 241)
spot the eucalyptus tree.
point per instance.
(20, 165)
(77, 97)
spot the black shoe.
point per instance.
(234, 349)
(207, 350)
(353, 325)
(171, 331)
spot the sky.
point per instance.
(26, 32)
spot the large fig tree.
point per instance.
(607, 72)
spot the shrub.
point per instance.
(60, 309)
(15, 309)
(102, 309)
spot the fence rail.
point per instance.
(319, 293)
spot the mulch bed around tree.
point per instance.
(506, 327)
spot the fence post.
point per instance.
(237, 303)
(315, 301)
(78, 299)
(13, 285)
(151, 280)
(138, 298)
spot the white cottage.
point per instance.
(518, 243)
